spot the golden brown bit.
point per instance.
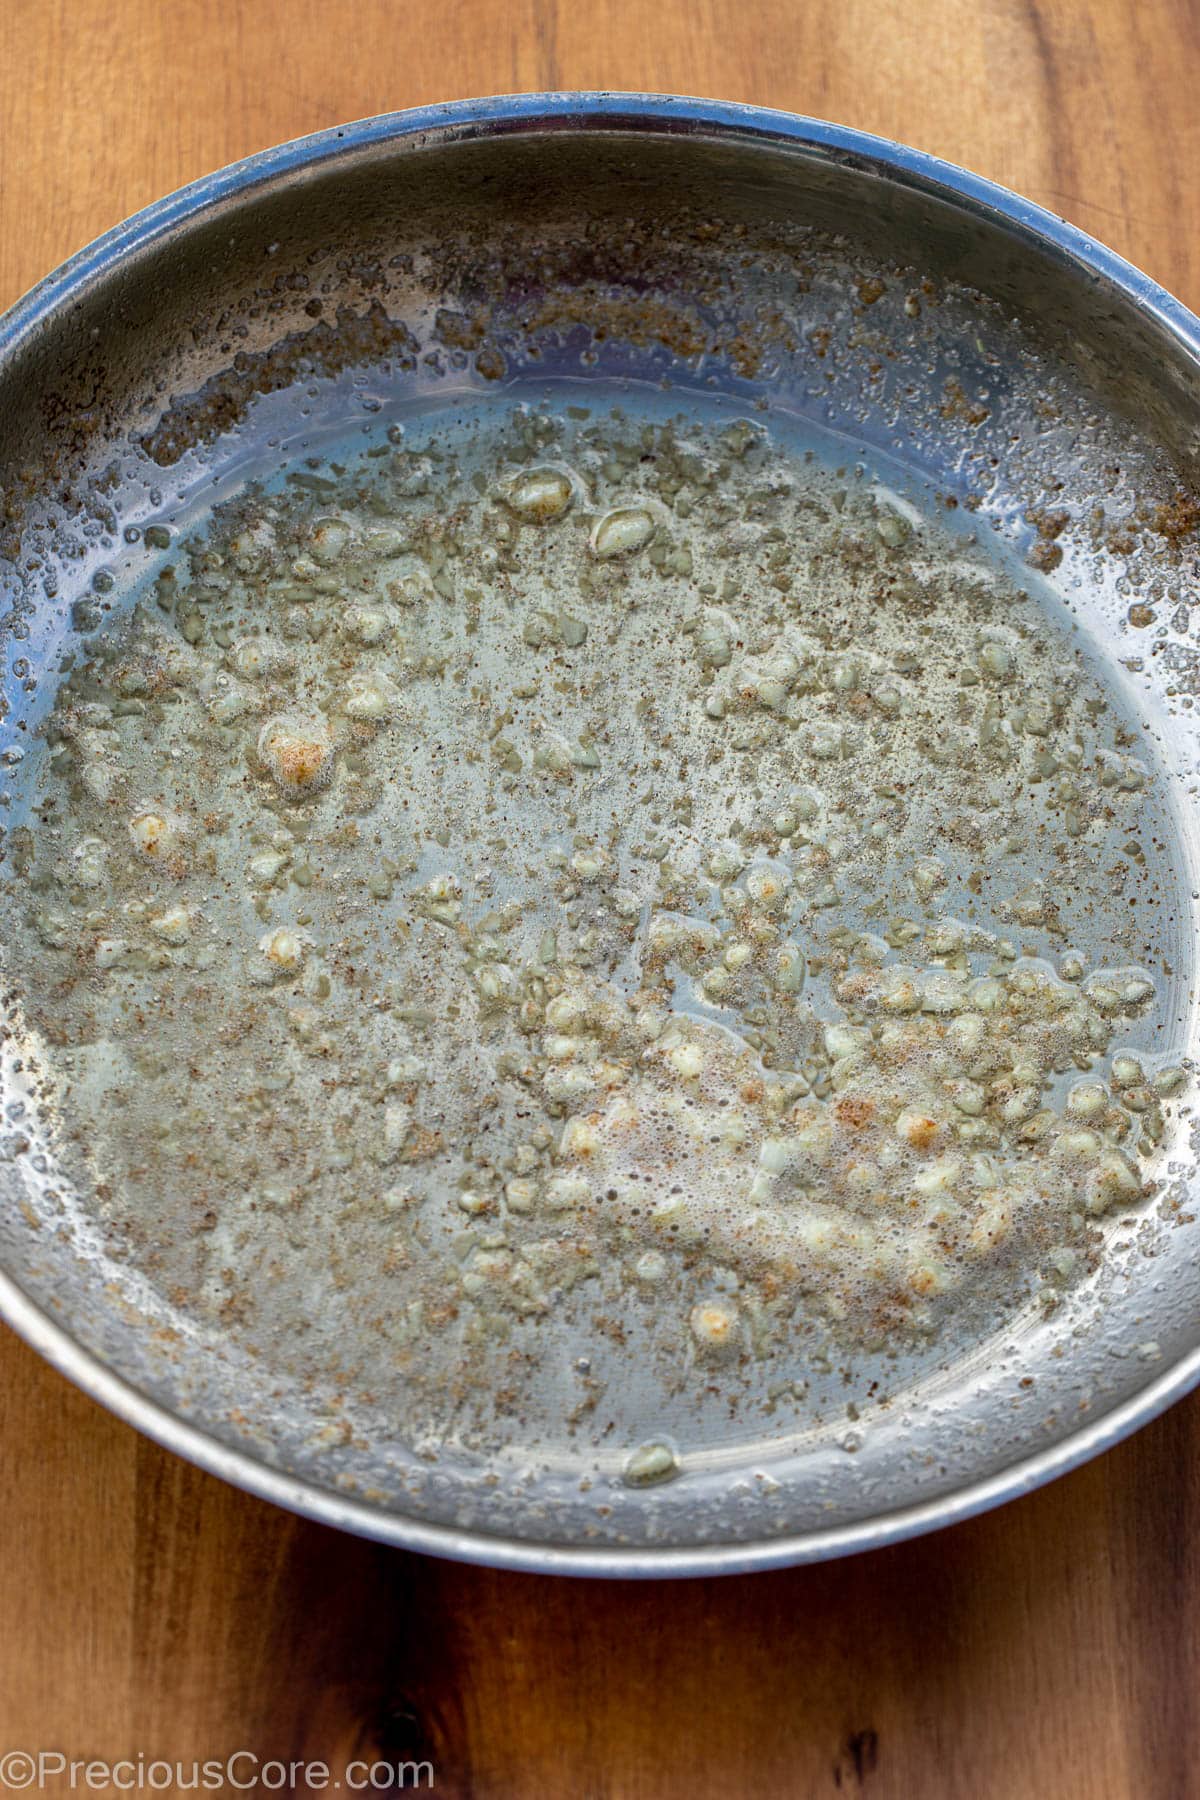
(1177, 518)
(422, 1144)
(490, 364)
(1045, 556)
(1050, 525)
(300, 763)
(958, 405)
(854, 1112)
(918, 1129)
(460, 330)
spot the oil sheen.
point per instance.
(580, 887)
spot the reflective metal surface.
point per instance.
(1006, 359)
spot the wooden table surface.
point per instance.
(1052, 1648)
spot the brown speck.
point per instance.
(958, 405)
(854, 1113)
(1045, 556)
(1177, 518)
(490, 363)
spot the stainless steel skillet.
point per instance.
(1037, 379)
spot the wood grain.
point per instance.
(1051, 1649)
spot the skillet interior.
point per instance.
(702, 246)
